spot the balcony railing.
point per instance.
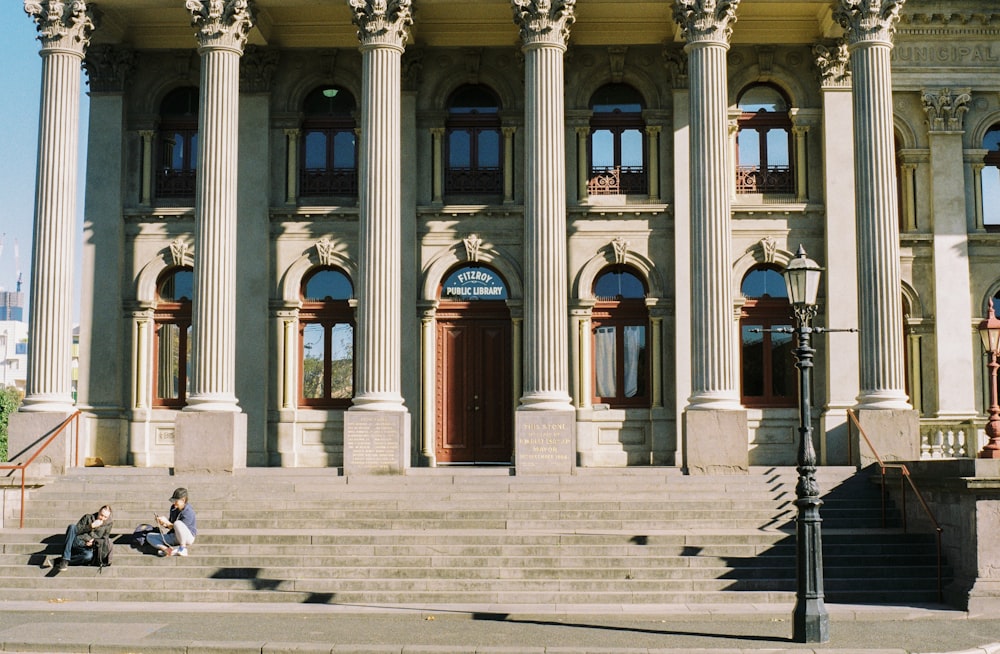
(776, 179)
(329, 181)
(174, 183)
(617, 180)
(474, 181)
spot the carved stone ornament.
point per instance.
(62, 25)
(834, 63)
(868, 20)
(620, 248)
(324, 250)
(706, 20)
(472, 244)
(222, 23)
(382, 22)
(616, 54)
(544, 21)
(412, 68)
(768, 246)
(946, 110)
(181, 252)
(676, 63)
(257, 69)
(108, 68)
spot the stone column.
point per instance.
(869, 26)
(146, 182)
(508, 163)
(437, 167)
(217, 439)
(544, 26)
(840, 279)
(715, 424)
(292, 136)
(379, 440)
(953, 338)
(582, 169)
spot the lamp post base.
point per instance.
(811, 623)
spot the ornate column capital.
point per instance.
(222, 24)
(382, 22)
(945, 109)
(257, 69)
(544, 21)
(676, 63)
(706, 20)
(108, 68)
(62, 25)
(834, 64)
(868, 20)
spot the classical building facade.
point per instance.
(515, 231)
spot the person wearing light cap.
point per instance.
(177, 530)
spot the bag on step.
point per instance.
(103, 550)
(139, 535)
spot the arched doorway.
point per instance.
(474, 399)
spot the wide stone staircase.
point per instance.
(471, 536)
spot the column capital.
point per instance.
(868, 21)
(108, 68)
(383, 22)
(676, 63)
(706, 21)
(834, 64)
(222, 24)
(544, 21)
(945, 109)
(61, 25)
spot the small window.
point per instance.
(473, 143)
(326, 337)
(764, 142)
(177, 144)
(767, 359)
(991, 179)
(617, 142)
(620, 330)
(329, 144)
(172, 338)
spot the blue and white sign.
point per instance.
(470, 283)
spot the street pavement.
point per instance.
(158, 627)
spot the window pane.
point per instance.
(777, 148)
(992, 139)
(748, 141)
(489, 149)
(783, 379)
(616, 97)
(991, 195)
(764, 282)
(328, 285)
(168, 380)
(753, 361)
(635, 361)
(761, 97)
(632, 148)
(176, 151)
(313, 353)
(177, 287)
(343, 150)
(602, 154)
(315, 145)
(459, 149)
(193, 160)
(473, 99)
(619, 284)
(342, 361)
(605, 364)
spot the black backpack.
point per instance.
(103, 550)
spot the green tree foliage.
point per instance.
(10, 399)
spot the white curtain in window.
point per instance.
(604, 344)
(634, 337)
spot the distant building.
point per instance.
(11, 305)
(13, 353)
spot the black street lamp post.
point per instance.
(811, 623)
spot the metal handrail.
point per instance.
(75, 418)
(904, 475)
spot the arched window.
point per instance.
(764, 142)
(326, 337)
(473, 142)
(768, 362)
(329, 165)
(991, 179)
(617, 142)
(620, 328)
(172, 338)
(177, 144)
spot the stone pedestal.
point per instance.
(545, 442)
(210, 441)
(28, 431)
(715, 441)
(376, 442)
(894, 433)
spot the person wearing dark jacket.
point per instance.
(80, 537)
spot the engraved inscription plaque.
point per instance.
(546, 442)
(375, 442)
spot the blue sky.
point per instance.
(20, 77)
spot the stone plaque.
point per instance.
(545, 442)
(376, 442)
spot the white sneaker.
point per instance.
(179, 551)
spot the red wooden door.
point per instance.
(473, 391)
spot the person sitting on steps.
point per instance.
(178, 530)
(80, 537)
